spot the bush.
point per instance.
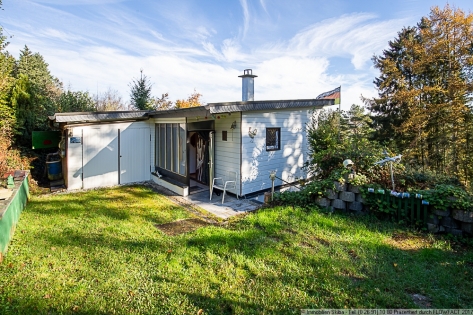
(334, 137)
(306, 197)
(10, 157)
(445, 196)
(417, 179)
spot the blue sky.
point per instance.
(298, 49)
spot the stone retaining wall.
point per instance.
(344, 197)
(348, 198)
(456, 222)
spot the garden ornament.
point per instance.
(272, 176)
(252, 134)
(386, 159)
(348, 163)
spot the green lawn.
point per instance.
(98, 252)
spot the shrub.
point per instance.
(10, 157)
(418, 179)
(445, 196)
(306, 197)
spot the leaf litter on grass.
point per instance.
(181, 226)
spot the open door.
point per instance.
(211, 158)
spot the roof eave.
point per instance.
(229, 107)
(85, 121)
(181, 112)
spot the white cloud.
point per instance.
(202, 32)
(78, 2)
(353, 34)
(231, 51)
(51, 33)
(290, 78)
(246, 16)
(109, 52)
(210, 48)
(263, 5)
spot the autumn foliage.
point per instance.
(192, 101)
(425, 90)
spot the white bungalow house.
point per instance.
(175, 147)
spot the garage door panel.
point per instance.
(135, 153)
(100, 157)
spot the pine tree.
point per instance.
(7, 65)
(140, 93)
(425, 88)
(71, 101)
(34, 94)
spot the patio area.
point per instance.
(229, 208)
(200, 197)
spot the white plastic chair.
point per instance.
(224, 184)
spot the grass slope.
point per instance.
(98, 252)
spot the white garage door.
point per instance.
(135, 155)
(100, 157)
(115, 155)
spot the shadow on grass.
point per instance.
(121, 203)
(25, 305)
(80, 206)
(222, 305)
(386, 273)
(99, 240)
(317, 258)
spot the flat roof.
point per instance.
(205, 110)
(85, 117)
(231, 107)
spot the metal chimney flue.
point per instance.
(248, 85)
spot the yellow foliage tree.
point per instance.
(425, 91)
(193, 100)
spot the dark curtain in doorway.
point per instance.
(204, 134)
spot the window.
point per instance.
(171, 147)
(273, 139)
(224, 136)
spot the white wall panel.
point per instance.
(227, 153)
(100, 144)
(257, 163)
(135, 154)
(98, 154)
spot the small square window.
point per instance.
(224, 136)
(273, 139)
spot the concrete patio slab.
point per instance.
(229, 208)
(201, 199)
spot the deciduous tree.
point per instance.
(162, 103)
(109, 100)
(334, 136)
(193, 100)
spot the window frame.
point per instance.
(273, 147)
(171, 148)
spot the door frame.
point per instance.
(211, 163)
